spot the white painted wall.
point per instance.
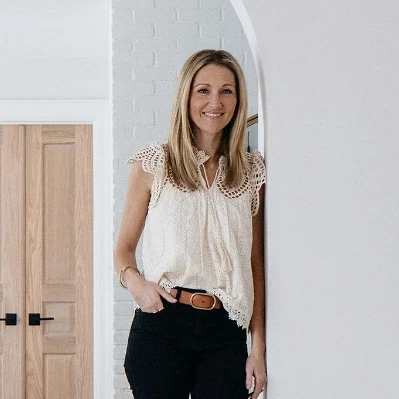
(54, 49)
(333, 192)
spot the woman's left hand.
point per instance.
(256, 372)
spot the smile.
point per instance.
(213, 114)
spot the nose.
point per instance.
(215, 100)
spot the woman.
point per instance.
(199, 199)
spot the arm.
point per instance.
(256, 364)
(146, 294)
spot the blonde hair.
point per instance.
(182, 159)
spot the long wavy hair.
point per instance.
(182, 159)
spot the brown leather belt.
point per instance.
(198, 300)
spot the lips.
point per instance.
(213, 114)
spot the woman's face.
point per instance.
(213, 99)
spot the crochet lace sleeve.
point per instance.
(257, 178)
(152, 158)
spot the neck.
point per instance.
(211, 148)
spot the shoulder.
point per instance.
(257, 177)
(152, 157)
(255, 158)
(256, 166)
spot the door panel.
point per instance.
(46, 261)
(12, 260)
(59, 261)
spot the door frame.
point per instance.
(98, 113)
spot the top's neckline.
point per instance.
(202, 157)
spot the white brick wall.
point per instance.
(151, 40)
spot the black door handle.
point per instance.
(34, 319)
(10, 319)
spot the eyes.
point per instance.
(207, 91)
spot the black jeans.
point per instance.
(182, 350)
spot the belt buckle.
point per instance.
(202, 293)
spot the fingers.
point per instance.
(248, 379)
(258, 388)
(256, 392)
(151, 303)
(158, 306)
(166, 295)
(257, 375)
(151, 309)
(150, 300)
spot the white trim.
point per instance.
(98, 113)
(249, 31)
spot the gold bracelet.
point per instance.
(121, 282)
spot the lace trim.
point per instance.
(258, 178)
(240, 314)
(201, 156)
(231, 192)
(153, 160)
(253, 180)
(154, 156)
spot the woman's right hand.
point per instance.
(147, 294)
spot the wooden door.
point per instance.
(58, 263)
(12, 260)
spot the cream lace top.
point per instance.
(202, 239)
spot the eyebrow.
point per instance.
(207, 84)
